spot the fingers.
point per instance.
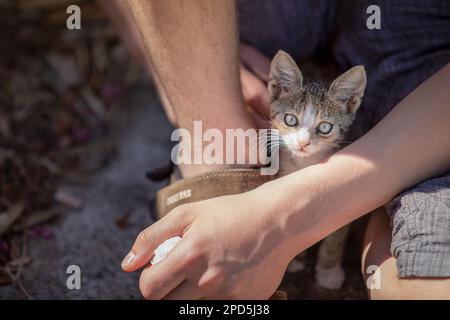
(149, 239)
(188, 290)
(201, 282)
(255, 92)
(254, 82)
(162, 278)
(255, 61)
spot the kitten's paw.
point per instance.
(296, 266)
(331, 278)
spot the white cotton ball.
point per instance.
(163, 249)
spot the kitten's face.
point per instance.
(309, 122)
(312, 117)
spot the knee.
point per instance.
(394, 288)
(379, 269)
(383, 283)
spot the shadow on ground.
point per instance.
(90, 238)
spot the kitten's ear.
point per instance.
(285, 76)
(349, 88)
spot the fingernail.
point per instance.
(128, 259)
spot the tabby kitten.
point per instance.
(312, 119)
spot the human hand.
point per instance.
(254, 73)
(231, 249)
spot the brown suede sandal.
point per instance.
(204, 186)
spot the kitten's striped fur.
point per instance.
(312, 104)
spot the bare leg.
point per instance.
(192, 50)
(376, 253)
(123, 19)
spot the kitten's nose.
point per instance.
(303, 144)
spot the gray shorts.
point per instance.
(420, 219)
(412, 44)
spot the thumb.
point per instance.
(173, 224)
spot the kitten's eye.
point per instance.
(325, 127)
(290, 120)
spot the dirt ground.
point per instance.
(301, 285)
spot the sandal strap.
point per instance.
(206, 186)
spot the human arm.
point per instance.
(231, 251)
